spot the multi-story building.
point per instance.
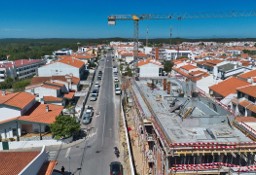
(20, 69)
(184, 135)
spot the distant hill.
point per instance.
(22, 48)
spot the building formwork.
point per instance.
(166, 157)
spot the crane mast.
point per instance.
(173, 16)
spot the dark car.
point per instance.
(116, 168)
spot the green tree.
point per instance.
(255, 45)
(128, 71)
(20, 85)
(64, 126)
(168, 66)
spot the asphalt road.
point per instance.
(93, 156)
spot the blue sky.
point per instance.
(88, 18)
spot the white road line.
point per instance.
(67, 153)
(104, 122)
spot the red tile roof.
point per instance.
(14, 162)
(39, 80)
(228, 86)
(188, 67)
(249, 90)
(245, 119)
(249, 74)
(52, 99)
(73, 62)
(23, 62)
(40, 114)
(147, 61)
(19, 100)
(20, 63)
(70, 95)
(248, 105)
(50, 87)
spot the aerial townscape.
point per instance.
(86, 92)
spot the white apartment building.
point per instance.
(20, 69)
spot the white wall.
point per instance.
(9, 113)
(58, 68)
(147, 50)
(129, 59)
(41, 91)
(149, 70)
(7, 127)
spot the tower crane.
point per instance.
(175, 16)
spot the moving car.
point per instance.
(116, 168)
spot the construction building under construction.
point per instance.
(187, 135)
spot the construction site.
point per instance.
(187, 133)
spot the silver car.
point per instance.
(93, 97)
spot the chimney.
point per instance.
(47, 108)
(3, 93)
(164, 84)
(157, 53)
(168, 87)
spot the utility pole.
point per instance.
(147, 38)
(170, 36)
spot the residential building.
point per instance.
(249, 76)
(64, 51)
(20, 69)
(71, 66)
(226, 87)
(26, 162)
(47, 88)
(208, 64)
(72, 83)
(20, 113)
(228, 69)
(245, 101)
(149, 68)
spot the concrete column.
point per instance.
(166, 165)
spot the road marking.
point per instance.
(67, 153)
(104, 122)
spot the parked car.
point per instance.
(99, 78)
(86, 118)
(116, 168)
(93, 97)
(89, 111)
(118, 91)
(95, 91)
(116, 79)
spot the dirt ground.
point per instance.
(139, 162)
